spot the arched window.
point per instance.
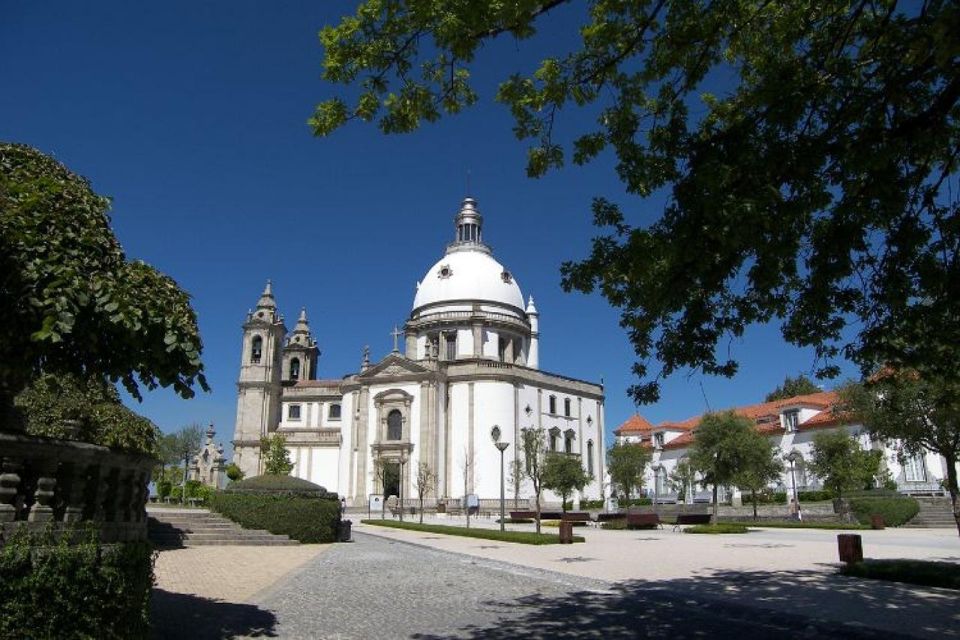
(394, 425)
(295, 369)
(566, 407)
(256, 349)
(553, 405)
(334, 412)
(554, 437)
(568, 441)
(590, 457)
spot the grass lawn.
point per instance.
(793, 524)
(523, 537)
(923, 572)
(723, 527)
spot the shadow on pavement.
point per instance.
(181, 615)
(732, 604)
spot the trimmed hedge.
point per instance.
(523, 537)
(723, 527)
(923, 572)
(815, 496)
(895, 511)
(53, 589)
(282, 505)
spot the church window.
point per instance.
(791, 419)
(445, 271)
(568, 442)
(501, 348)
(394, 425)
(256, 349)
(295, 369)
(554, 438)
(552, 405)
(506, 276)
(566, 407)
(293, 412)
(590, 457)
(451, 345)
(334, 412)
(913, 470)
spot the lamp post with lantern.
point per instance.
(403, 461)
(501, 446)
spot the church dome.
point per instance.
(468, 272)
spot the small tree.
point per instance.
(188, 441)
(379, 479)
(625, 464)
(515, 478)
(921, 414)
(533, 442)
(718, 451)
(799, 386)
(760, 467)
(276, 457)
(563, 474)
(234, 473)
(682, 479)
(423, 483)
(842, 463)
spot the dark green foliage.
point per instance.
(94, 404)
(810, 524)
(53, 590)
(723, 448)
(233, 472)
(164, 487)
(815, 496)
(282, 505)
(619, 524)
(564, 474)
(625, 464)
(72, 301)
(895, 511)
(799, 386)
(276, 457)
(771, 497)
(843, 464)
(813, 190)
(928, 573)
(194, 489)
(523, 537)
(723, 527)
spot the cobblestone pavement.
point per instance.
(382, 588)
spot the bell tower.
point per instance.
(300, 353)
(258, 388)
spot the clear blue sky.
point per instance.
(192, 117)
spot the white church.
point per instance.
(466, 360)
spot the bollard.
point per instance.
(566, 532)
(850, 547)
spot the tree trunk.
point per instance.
(753, 496)
(716, 506)
(952, 488)
(183, 484)
(421, 509)
(538, 510)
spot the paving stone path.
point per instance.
(380, 588)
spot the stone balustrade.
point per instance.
(60, 483)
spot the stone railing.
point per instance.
(62, 483)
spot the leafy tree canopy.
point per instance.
(564, 474)
(721, 449)
(72, 302)
(187, 442)
(812, 190)
(276, 456)
(842, 463)
(799, 386)
(625, 464)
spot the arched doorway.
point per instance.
(391, 479)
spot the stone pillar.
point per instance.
(411, 345)
(42, 509)
(9, 486)
(477, 339)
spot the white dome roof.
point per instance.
(468, 275)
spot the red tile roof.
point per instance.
(634, 424)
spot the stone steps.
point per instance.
(934, 512)
(202, 528)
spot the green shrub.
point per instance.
(723, 527)
(523, 537)
(895, 511)
(50, 589)
(620, 524)
(163, 489)
(282, 505)
(767, 497)
(923, 572)
(814, 496)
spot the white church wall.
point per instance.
(464, 343)
(325, 468)
(490, 343)
(459, 435)
(493, 405)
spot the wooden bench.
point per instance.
(550, 515)
(610, 516)
(691, 518)
(643, 521)
(523, 515)
(576, 516)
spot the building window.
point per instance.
(658, 440)
(394, 425)
(501, 348)
(334, 412)
(913, 470)
(790, 420)
(552, 405)
(293, 412)
(554, 437)
(568, 442)
(566, 407)
(590, 457)
(451, 344)
(256, 349)
(295, 369)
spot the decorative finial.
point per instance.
(303, 315)
(396, 333)
(365, 362)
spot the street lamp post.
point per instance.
(502, 446)
(403, 461)
(792, 459)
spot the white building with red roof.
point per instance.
(791, 425)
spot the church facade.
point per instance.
(467, 360)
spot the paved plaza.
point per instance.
(401, 584)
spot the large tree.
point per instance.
(799, 386)
(807, 149)
(720, 450)
(626, 463)
(919, 415)
(838, 459)
(563, 474)
(73, 303)
(533, 444)
(760, 465)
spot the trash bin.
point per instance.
(441, 507)
(876, 521)
(566, 532)
(344, 532)
(850, 547)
